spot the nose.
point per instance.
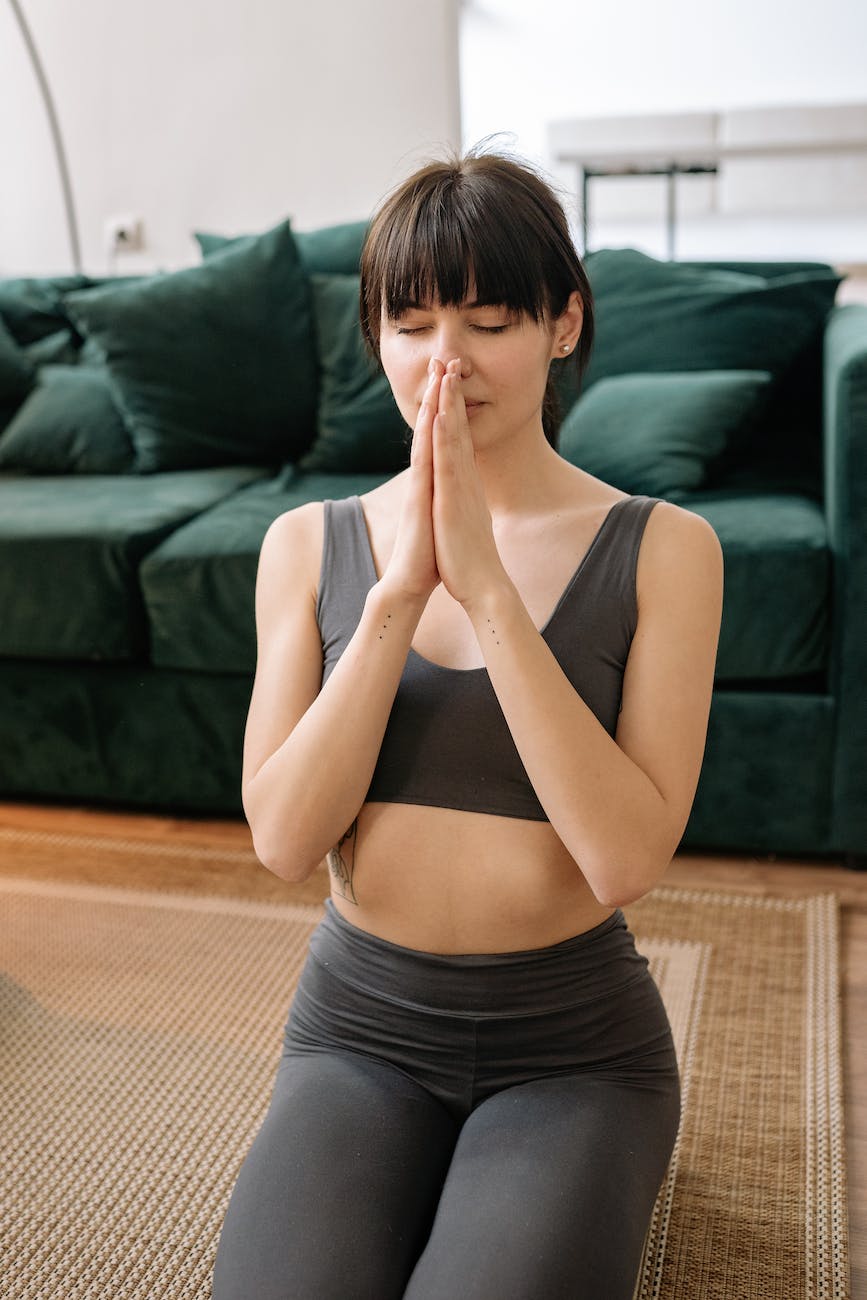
(446, 346)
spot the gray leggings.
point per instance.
(488, 1126)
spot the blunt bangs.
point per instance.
(443, 254)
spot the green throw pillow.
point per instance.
(69, 424)
(329, 250)
(662, 316)
(214, 364)
(660, 434)
(359, 428)
(17, 371)
(59, 348)
(31, 305)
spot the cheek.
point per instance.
(402, 374)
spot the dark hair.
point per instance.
(488, 215)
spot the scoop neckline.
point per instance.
(483, 668)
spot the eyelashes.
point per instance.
(484, 329)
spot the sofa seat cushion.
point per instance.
(69, 554)
(777, 583)
(199, 584)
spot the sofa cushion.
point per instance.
(777, 589)
(328, 249)
(359, 427)
(655, 433)
(69, 553)
(31, 306)
(17, 372)
(69, 424)
(199, 584)
(662, 316)
(214, 364)
(62, 348)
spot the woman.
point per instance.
(493, 727)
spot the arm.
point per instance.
(620, 805)
(310, 749)
(309, 753)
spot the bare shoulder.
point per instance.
(298, 523)
(678, 546)
(292, 547)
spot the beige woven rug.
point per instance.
(141, 1033)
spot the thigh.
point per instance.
(550, 1192)
(336, 1195)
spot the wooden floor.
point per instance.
(766, 876)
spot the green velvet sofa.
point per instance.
(153, 427)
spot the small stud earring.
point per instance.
(565, 347)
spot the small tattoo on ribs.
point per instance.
(341, 863)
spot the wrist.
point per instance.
(388, 596)
(494, 600)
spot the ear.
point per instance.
(567, 327)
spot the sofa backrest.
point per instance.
(787, 454)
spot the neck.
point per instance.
(521, 477)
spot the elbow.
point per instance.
(270, 845)
(620, 888)
(290, 869)
(644, 862)
(621, 897)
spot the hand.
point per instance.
(412, 566)
(467, 558)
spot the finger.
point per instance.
(452, 407)
(429, 401)
(446, 401)
(421, 440)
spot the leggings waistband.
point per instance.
(580, 969)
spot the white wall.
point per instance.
(214, 115)
(524, 65)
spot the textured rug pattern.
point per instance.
(141, 1033)
(756, 1196)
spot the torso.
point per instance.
(442, 879)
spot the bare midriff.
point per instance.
(449, 881)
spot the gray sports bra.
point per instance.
(447, 743)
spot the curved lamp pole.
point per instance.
(55, 135)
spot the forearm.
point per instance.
(309, 791)
(606, 810)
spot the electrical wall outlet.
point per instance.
(123, 234)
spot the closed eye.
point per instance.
(485, 329)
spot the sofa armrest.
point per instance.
(845, 482)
